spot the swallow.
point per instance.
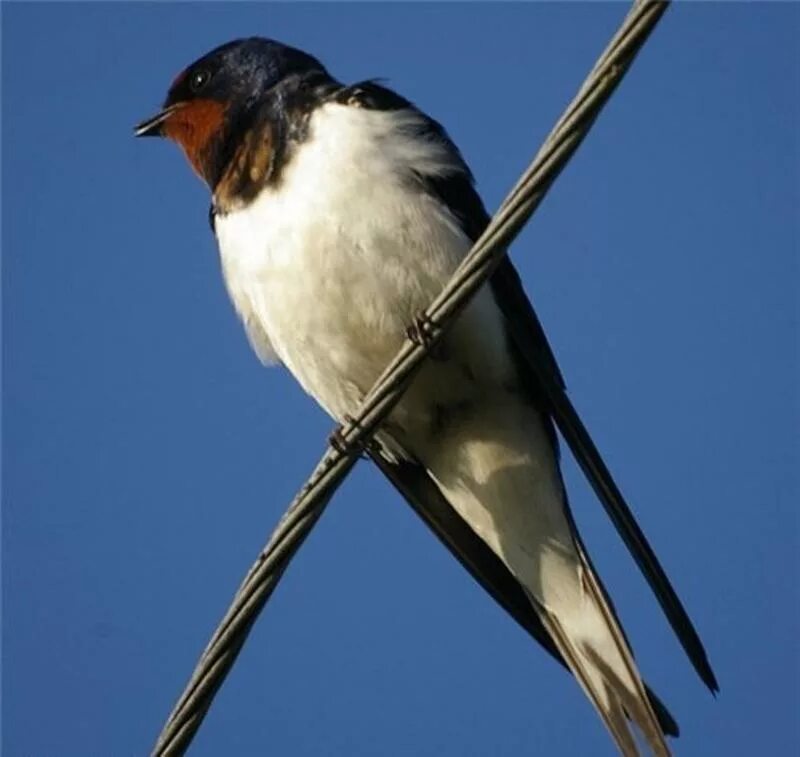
(340, 212)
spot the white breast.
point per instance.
(328, 268)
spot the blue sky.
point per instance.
(147, 454)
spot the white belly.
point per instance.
(329, 268)
(333, 264)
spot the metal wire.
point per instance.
(306, 508)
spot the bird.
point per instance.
(340, 212)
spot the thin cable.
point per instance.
(307, 507)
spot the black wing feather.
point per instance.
(411, 479)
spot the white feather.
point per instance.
(328, 269)
(331, 266)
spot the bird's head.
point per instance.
(214, 101)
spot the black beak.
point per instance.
(152, 126)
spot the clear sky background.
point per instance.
(147, 454)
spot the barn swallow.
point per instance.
(340, 212)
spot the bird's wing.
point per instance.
(413, 481)
(417, 487)
(536, 360)
(537, 363)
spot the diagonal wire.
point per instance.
(307, 507)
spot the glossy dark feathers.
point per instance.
(243, 71)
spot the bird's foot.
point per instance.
(338, 442)
(343, 447)
(422, 332)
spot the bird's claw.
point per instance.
(422, 331)
(343, 447)
(338, 442)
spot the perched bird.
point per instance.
(340, 212)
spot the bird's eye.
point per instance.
(198, 80)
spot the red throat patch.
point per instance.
(193, 126)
